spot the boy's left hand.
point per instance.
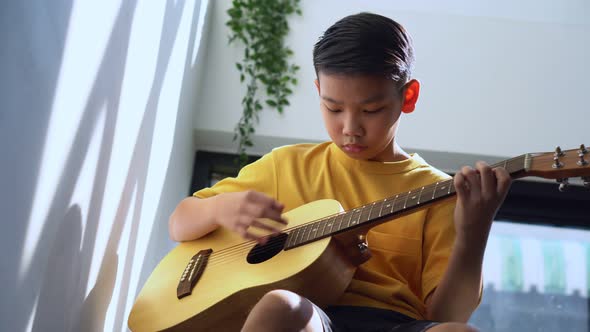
(480, 192)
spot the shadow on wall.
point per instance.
(53, 288)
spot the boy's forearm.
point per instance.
(192, 219)
(457, 294)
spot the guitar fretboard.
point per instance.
(385, 209)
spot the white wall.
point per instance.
(499, 78)
(96, 113)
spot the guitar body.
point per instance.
(230, 286)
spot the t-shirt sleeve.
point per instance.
(259, 176)
(439, 236)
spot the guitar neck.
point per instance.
(389, 208)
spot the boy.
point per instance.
(426, 267)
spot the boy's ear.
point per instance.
(317, 84)
(410, 92)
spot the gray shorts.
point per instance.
(367, 319)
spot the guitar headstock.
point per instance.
(560, 165)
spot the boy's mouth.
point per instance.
(354, 148)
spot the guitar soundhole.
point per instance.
(262, 253)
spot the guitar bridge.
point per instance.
(192, 272)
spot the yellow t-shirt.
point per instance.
(409, 254)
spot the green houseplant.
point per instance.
(261, 26)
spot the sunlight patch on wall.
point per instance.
(200, 26)
(83, 52)
(32, 316)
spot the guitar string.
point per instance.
(262, 249)
(285, 230)
(239, 248)
(402, 196)
(237, 251)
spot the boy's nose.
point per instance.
(352, 127)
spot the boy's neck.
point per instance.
(397, 154)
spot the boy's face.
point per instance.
(361, 114)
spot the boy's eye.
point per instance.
(334, 111)
(373, 111)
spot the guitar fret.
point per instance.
(387, 206)
(371, 209)
(334, 227)
(331, 223)
(324, 223)
(434, 192)
(303, 239)
(376, 209)
(340, 222)
(349, 219)
(406, 201)
(420, 196)
(381, 208)
(393, 204)
(363, 210)
(442, 189)
(344, 223)
(295, 233)
(427, 193)
(310, 232)
(354, 221)
(450, 187)
(314, 230)
(299, 237)
(411, 200)
(310, 228)
(289, 239)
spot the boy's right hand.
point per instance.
(238, 211)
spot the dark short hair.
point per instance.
(365, 43)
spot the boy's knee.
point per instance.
(279, 298)
(453, 327)
(286, 303)
(280, 310)
(469, 328)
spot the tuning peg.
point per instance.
(563, 184)
(582, 150)
(558, 152)
(363, 247)
(581, 162)
(586, 181)
(556, 163)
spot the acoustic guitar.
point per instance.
(211, 284)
